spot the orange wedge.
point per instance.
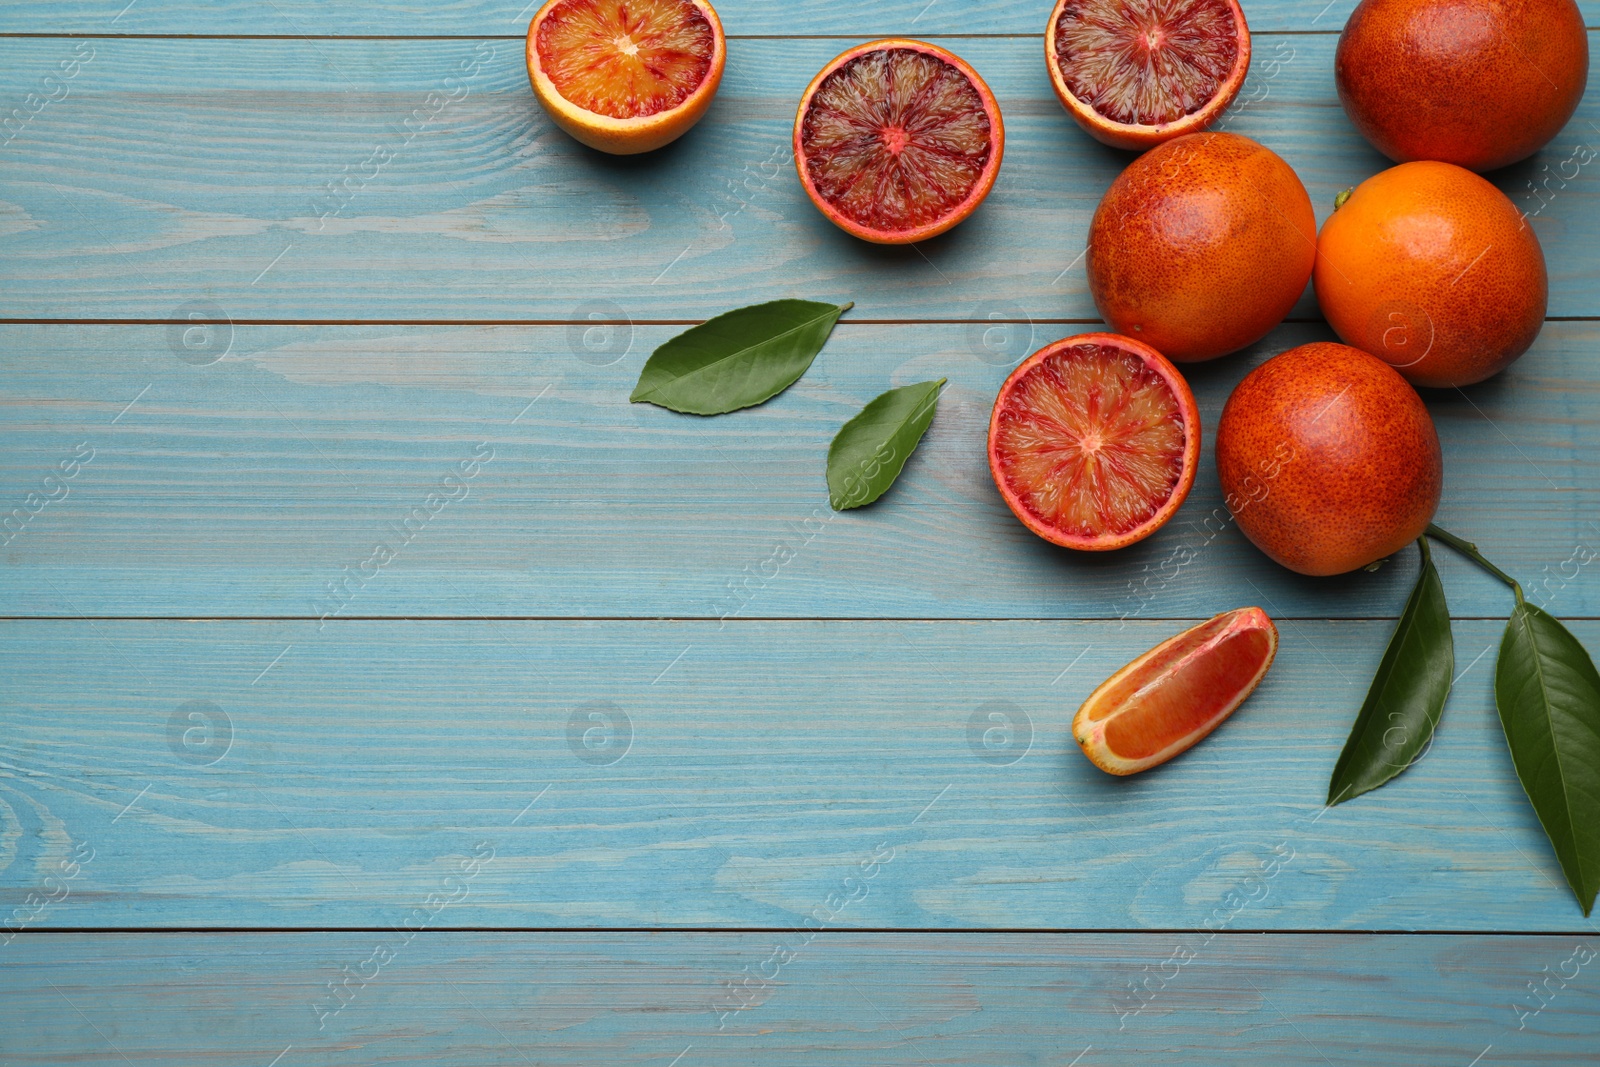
(1174, 695)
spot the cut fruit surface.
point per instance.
(625, 76)
(897, 141)
(1174, 695)
(1094, 441)
(1134, 73)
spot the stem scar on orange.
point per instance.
(1134, 75)
(1433, 270)
(897, 141)
(626, 76)
(1171, 697)
(1094, 441)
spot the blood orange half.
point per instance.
(1174, 695)
(626, 76)
(1094, 441)
(1135, 73)
(897, 141)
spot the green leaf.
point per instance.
(1407, 695)
(1548, 694)
(871, 449)
(738, 359)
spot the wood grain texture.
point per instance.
(460, 999)
(247, 486)
(475, 18)
(181, 170)
(737, 776)
(800, 765)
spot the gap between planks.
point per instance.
(520, 36)
(1075, 619)
(457, 323)
(744, 931)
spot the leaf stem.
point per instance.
(1470, 550)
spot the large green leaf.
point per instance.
(1407, 695)
(738, 359)
(869, 452)
(1548, 694)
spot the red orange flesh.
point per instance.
(1134, 73)
(1094, 441)
(1174, 695)
(625, 76)
(896, 141)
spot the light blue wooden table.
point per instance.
(541, 792)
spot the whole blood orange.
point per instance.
(625, 76)
(897, 141)
(1478, 83)
(1174, 695)
(1137, 74)
(1328, 459)
(1433, 270)
(1094, 441)
(1201, 246)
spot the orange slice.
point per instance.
(1174, 695)
(1134, 73)
(1094, 441)
(626, 76)
(897, 141)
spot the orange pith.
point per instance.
(897, 141)
(1094, 441)
(626, 58)
(1174, 695)
(1134, 73)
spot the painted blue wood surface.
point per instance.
(183, 170)
(245, 487)
(270, 773)
(474, 18)
(638, 773)
(465, 1000)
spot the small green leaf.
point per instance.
(1548, 694)
(738, 359)
(869, 452)
(1407, 695)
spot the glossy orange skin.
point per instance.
(1138, 138)
(1201, 246)
(1433, 270)
(1478, 83)
(1328, 459)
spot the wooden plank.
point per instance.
(475, 998)
(481, 210)
(246, 486)
(638, 773)
(474, 18)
